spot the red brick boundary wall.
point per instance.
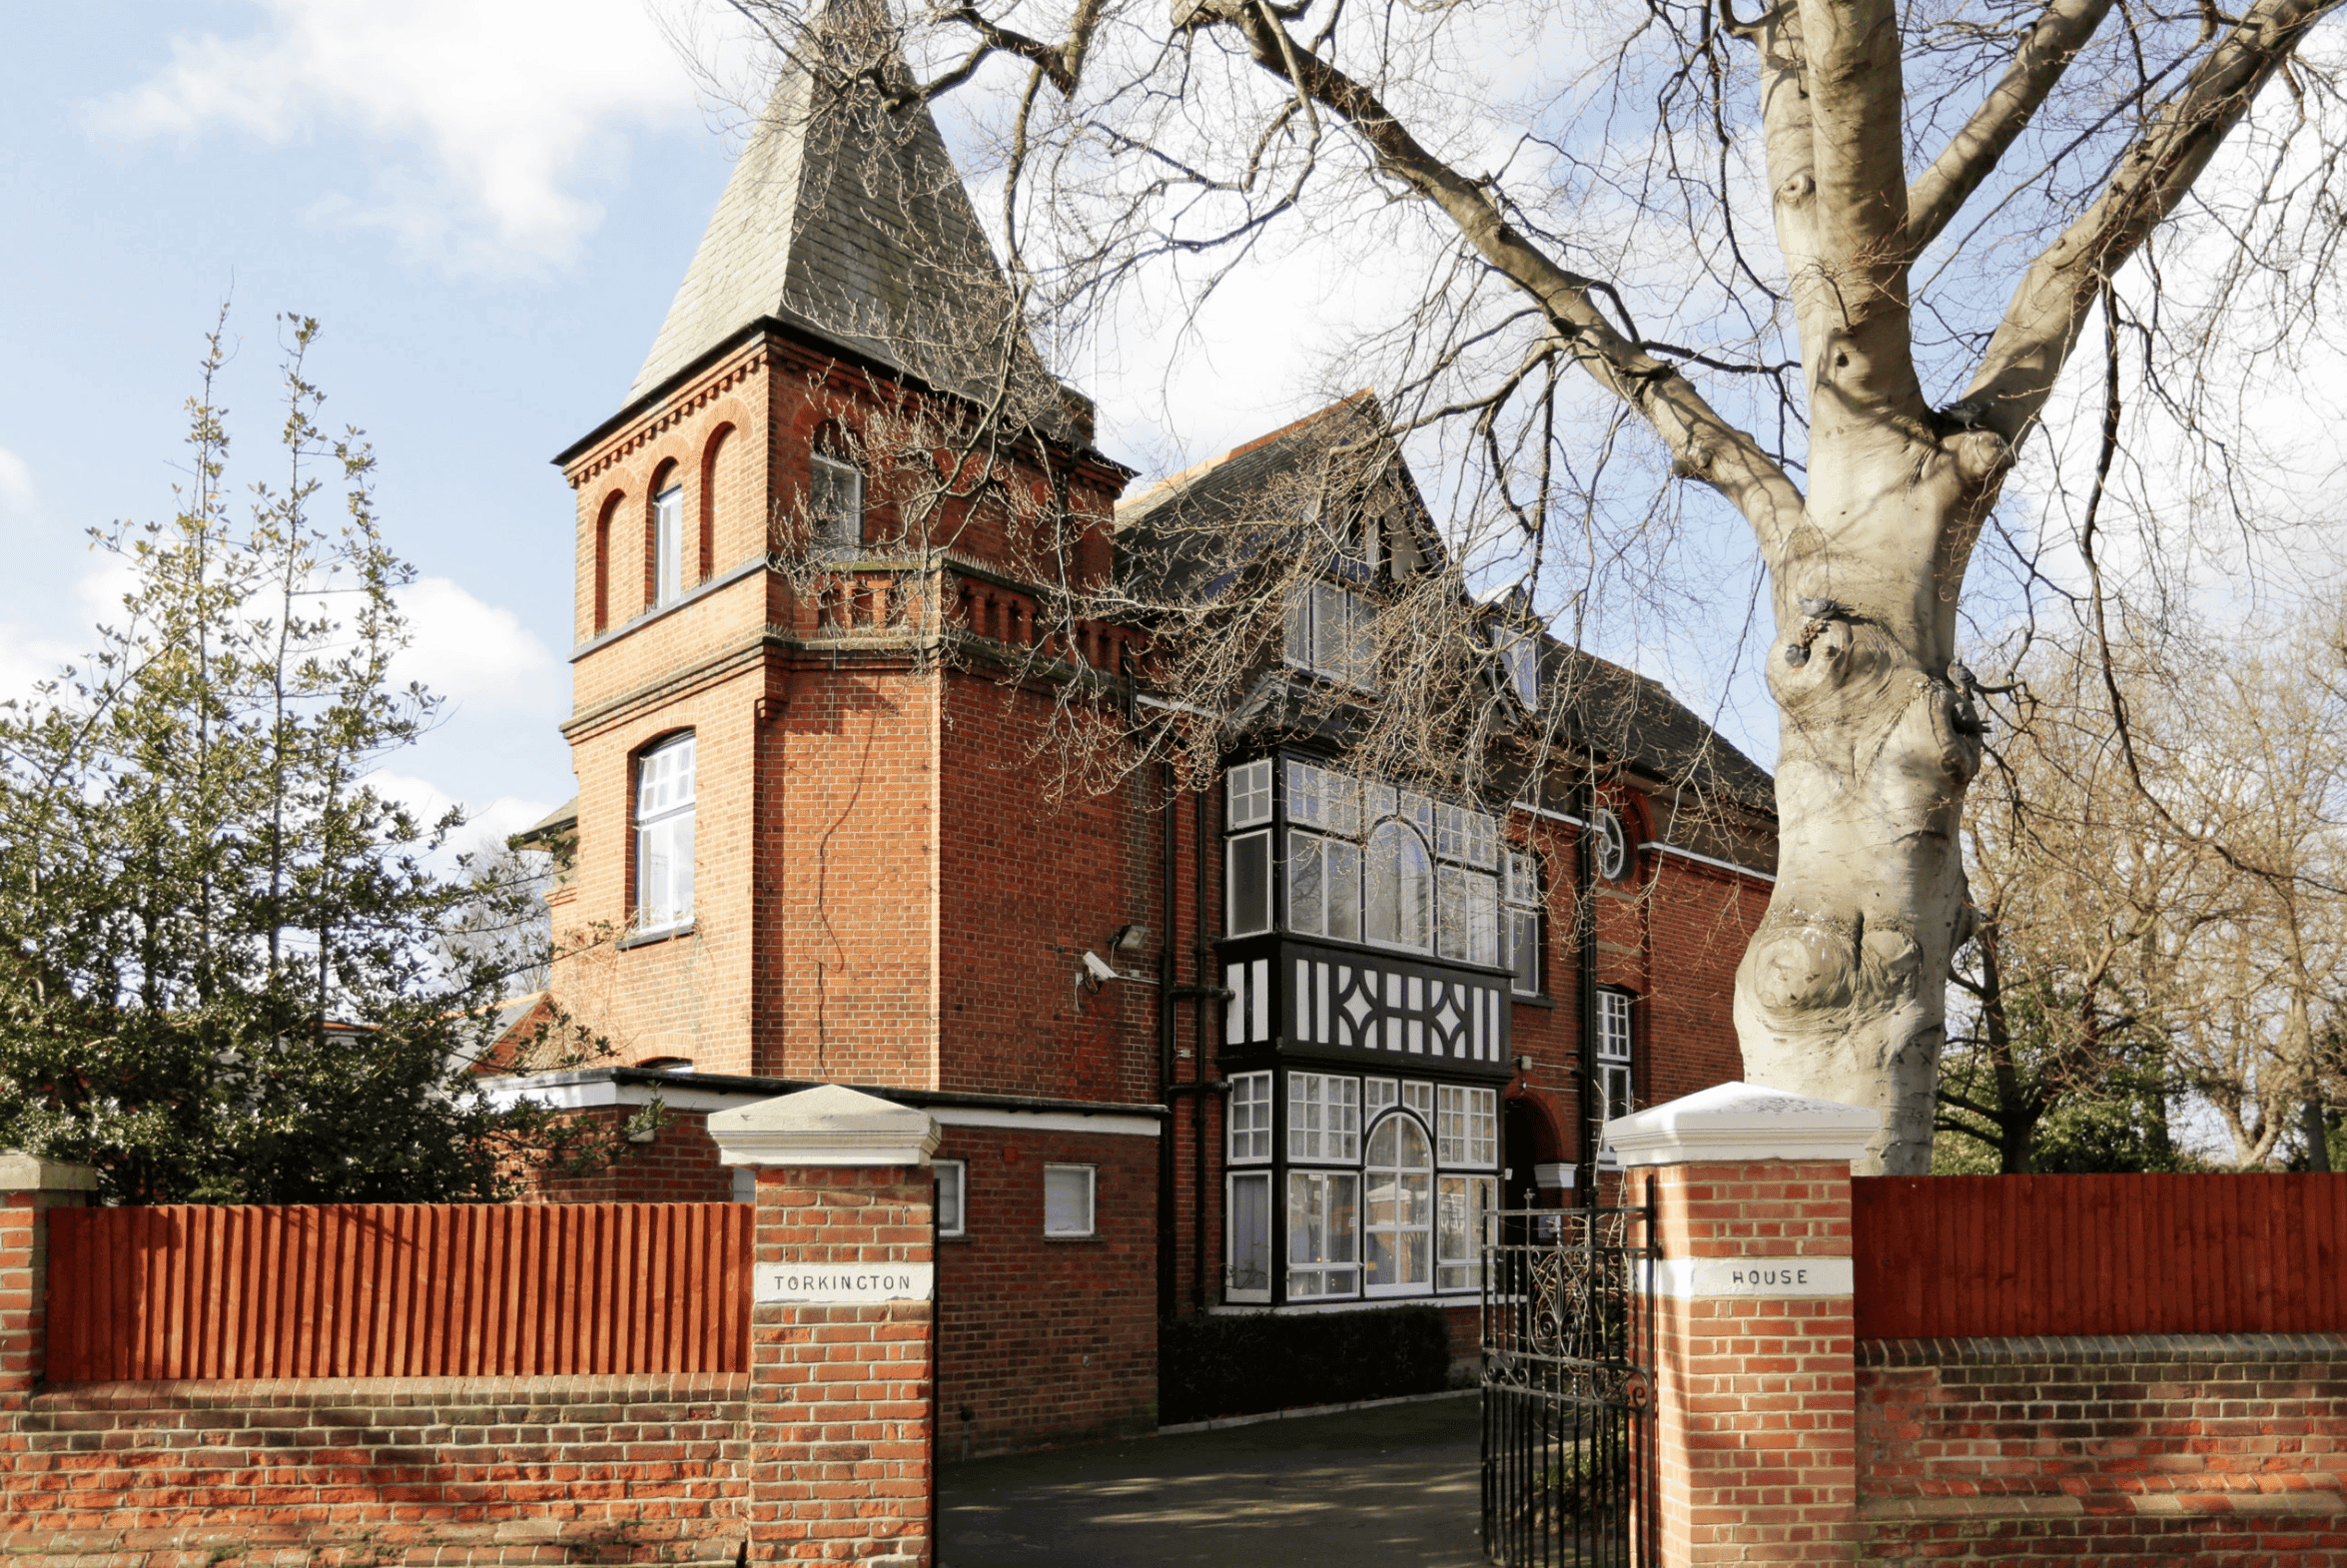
(2130, 1448)
(1753, 1342)
(843, 1355)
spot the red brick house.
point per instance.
(1178, 1042)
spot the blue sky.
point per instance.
(488, 203)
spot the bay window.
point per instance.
(1358, 861)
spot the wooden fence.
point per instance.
(2001, 1255)
(397, 1290)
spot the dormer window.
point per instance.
(1518, 651)
(835, 504)
(668, 544)
(1331, 633)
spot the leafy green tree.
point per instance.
(224, 967)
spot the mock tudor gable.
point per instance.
(1273, 1046)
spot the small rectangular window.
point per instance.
(1332, 631)
(1419, 1097)
(1068, 1199)
(1520, 919)
(835, 504)
(1378, 1095)
(1247, 884)
(1249, 1123)
(1246, 795)
(953, 1178)
(1468, 835)
(1326, 800)
(1323, 1235)
(1246, 1232)
(1463, 1207)
(1323, 1116)
(1323, 887)
(1468, 927)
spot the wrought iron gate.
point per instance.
(1568, 1392)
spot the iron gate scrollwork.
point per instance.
(1568, 1388)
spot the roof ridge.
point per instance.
(1200, 469)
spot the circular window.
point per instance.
(1612, 846)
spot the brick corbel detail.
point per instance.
(1755, 1389)
(842, 1398)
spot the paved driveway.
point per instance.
(1397, 1485)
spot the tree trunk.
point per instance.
(1842, 992)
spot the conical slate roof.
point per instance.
(847, 218)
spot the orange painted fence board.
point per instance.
(397, 1290)
(2005, 1255)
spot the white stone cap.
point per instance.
(23, 1172)
(1730, 1122)
(830, 1124)
(1552, 1174)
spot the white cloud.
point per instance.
(16, 486)
(504, 109)
(478, 655)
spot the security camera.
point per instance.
(1098, 967)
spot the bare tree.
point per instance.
(2157, 866)
(1956, 190)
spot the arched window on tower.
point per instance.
(835, 493)
(664, 798)
(665, 558)
(602, 561)
(717, 478)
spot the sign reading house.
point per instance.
(1690, 1278)
(843, 1284)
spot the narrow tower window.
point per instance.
(668, 544)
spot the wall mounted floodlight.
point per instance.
(1128, 937)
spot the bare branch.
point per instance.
(1941, 191)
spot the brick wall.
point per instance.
(2172, 1449)
(1047, 1340)
(1754, 1391)
(388, 1470)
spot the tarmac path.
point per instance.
(1396, 1485)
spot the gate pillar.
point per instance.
(29, 1188)
(843, 1349)
(1756, 1394)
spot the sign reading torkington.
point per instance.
(846, 1284)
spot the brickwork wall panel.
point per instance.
(616, 1468)
(2223, 1449)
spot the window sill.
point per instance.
(1093, 1239)
(644, 939)
(1530, 999)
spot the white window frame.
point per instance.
(1405, 1126)
(1334, 910)
(1323, 799)
(835, 504)
(668, 544)
(1344, 1241)
(1091, 1177)
(666, 799)
(1249, 922)
(1466, 923)
(1519, 650)
(1467, 1126)
(1328, 634)
(1248, 1119)
(1405, 836)
(1519, 917)
(1458, 1249)
(1617, 1094)
(1246, 796)
(1261, 1182)
(1323, 1117)
(953, 1219)
(1610, 846)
